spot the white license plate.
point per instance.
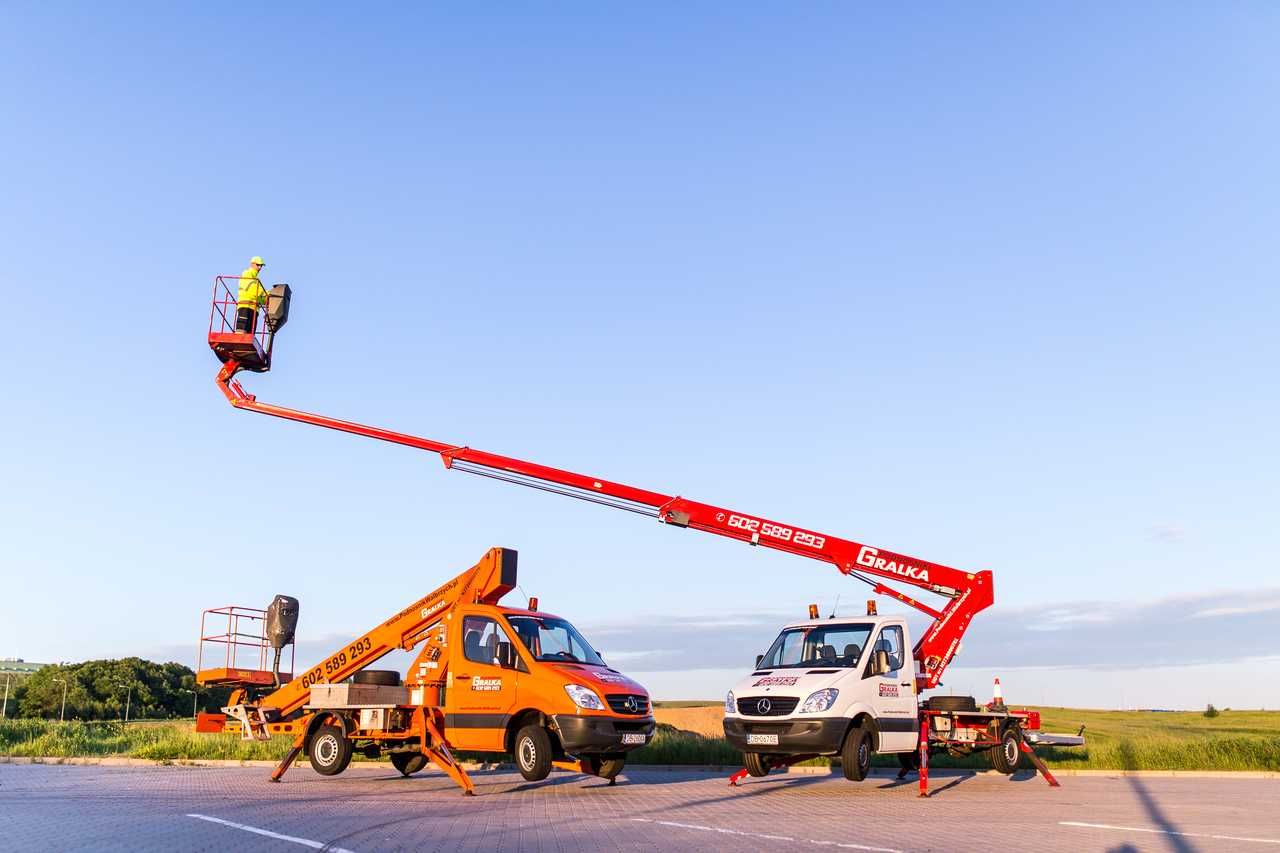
(636, 737)
(762, 740)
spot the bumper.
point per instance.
(816, 734)
(601, 734)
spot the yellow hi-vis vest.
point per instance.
(252, 293)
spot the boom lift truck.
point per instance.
(545, 695)
(941, 724)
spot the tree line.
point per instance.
(99, 690)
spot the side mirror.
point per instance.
(506, 655)
(758, 659)
(879, 662)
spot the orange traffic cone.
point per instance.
(997, 695)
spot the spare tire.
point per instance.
(950, 703)
(380, 677)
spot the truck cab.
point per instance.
(842, 687)
(527, 682)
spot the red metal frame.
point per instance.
(966, 593)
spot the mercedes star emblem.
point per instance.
(631, 704)
(763, 706)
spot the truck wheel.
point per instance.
(330, 751)
(408, 763)
(1008, 754)
(380, 677)
(855, 757)
(533, 753)
(755, 764)
(610, 767)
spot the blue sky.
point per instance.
(991, 285)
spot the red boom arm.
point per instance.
(966, 592)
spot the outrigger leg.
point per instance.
(288, 759)
(438, 753)
(1039, 763)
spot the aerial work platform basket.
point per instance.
(249, 348)
(236, 639)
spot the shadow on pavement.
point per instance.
(1157, 815)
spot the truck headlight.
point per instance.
(584, 697)
(729, 706)
(819, 700)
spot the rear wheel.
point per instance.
(533, 753)
(755, 763)
(330, 751)
(408, 763)
(1006, 756)
(855, 757)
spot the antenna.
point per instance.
(526, 596)
(834, 606)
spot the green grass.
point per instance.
(1117, 740)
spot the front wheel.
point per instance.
(408, 763)
(855, 757)
(330, 751)
(755, 763)
(533, 753)
(1006, 756)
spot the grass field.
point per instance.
(1117, 740)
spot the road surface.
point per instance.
(48, 807)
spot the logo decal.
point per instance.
(486, 684)
(776, 681)
(870, 557)
(889, 691)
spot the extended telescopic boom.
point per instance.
(965, 593)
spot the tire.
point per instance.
(951, 703)
(604, 767)
(408, 763)
(1006, 757)
(855, 756)
(380, 677)
(533, 753)
(755, 763)
(329, 751)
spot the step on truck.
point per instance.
(847, 688)
(962, 594)
(488, 678)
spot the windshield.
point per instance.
(818, 645)
(551, 639)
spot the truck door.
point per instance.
(483, 693)
(893, 693)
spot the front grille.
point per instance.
(618, 702)
(778, 705)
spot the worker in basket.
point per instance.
(251, 297)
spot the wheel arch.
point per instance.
(522, 718)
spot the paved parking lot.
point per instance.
(46, 807)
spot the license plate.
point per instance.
(636, 737)
(762, 740)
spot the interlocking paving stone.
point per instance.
(50, 807)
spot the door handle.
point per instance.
(905, 683)
(462, 677)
